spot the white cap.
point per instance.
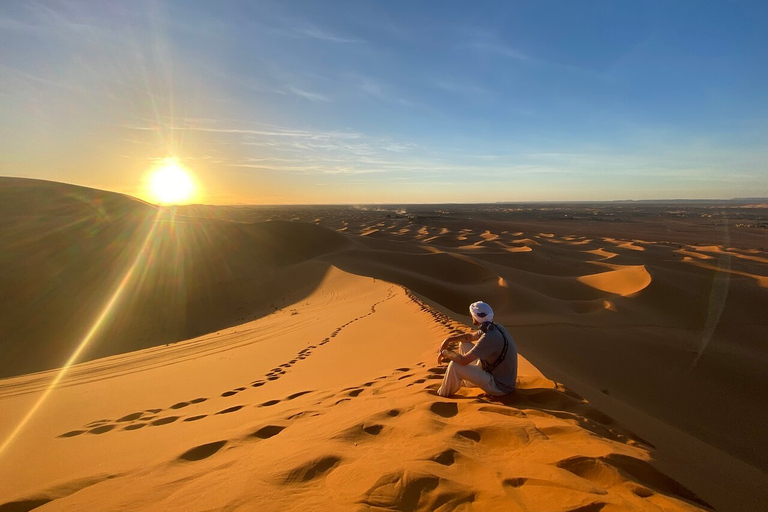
(481, 312)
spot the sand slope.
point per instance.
(664, 332)
(193, 276)
(328, 403)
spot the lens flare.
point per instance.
(106, 311)
(170, 183)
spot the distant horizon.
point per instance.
(270, 102)
(543, 201)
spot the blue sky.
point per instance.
(360, 102)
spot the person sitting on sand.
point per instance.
(490, 364)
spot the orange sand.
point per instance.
(307, 376)
(349, 420)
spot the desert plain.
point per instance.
(284, 358)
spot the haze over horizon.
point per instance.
(389, 103)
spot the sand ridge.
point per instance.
(384, 441)
(661, 315)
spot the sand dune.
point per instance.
(623, 280)
(196, 277)
(285, 419)
(290, 363)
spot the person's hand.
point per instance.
(440, 357)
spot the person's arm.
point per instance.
(467, 337)
(462, 359)
(470, 337)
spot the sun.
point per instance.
(170, 183)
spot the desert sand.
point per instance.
(268, 359)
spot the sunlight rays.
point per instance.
(171, 183)
(91, 334)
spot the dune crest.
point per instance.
(621, 281)
(275, 307)
(338, 410)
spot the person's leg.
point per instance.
(457, 375)
(454, 378)
(452, 381)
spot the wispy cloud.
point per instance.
(10, 24)
(488, 43)
(461, 87)
(377, 89)
(335, 154)
(24, 79)
(501, 49)
(242, 128)
(304, 151)
(296, 27)
(324, 35)
(311, 96)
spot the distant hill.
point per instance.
(24, 196)
(66, 249)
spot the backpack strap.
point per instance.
(490, 367)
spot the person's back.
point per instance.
(490, 347)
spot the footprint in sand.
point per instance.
(640, 491)
(373, 430)
(297, 395)
(268, 431)
(402, 489)
(231, 409)
(472, 435)
(164, 421)
(312, 469)
(445, 409)
(96, 423)
(513, 482)
(101, 430)
(360, 432)
(103, 426)
(131, 417)
(202, 452)
(446, 457)
(73, 433)
(504, 411)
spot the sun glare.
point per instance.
(170, 183)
